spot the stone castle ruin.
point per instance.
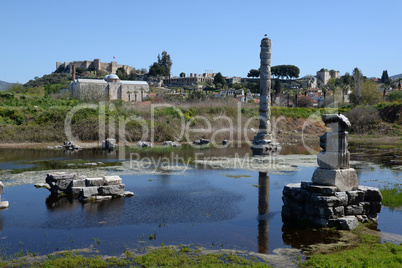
(95, 65)
(334, 197)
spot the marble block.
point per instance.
(344, 179)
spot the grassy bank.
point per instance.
(363, 250)
(163, 256)
(367, 252)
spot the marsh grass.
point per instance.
(159, 149)
(61, 164)
(392, 197)
(237, 176)
(369, 252)
(163, 256)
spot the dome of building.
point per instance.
(111, 78)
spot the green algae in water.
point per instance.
(63, 164)
(237, 176)
(392, 197)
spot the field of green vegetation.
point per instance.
(31, 118)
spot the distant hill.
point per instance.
(396, 76)
(4, 85)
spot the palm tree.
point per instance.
(324, 92)
(384, 87)
(129, 92)
(297, 92)
(135, 92)
(287, 91)
(345, 90)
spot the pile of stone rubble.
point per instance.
(86, 189)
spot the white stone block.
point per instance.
(333, 160)
(87, 192)
(103, 197)
(94, 182)
(4, 204)
(112, 180)
(76, 190)
(344, 179)
(112, 190)
(128, 194)
(348, 222)
(78, 183)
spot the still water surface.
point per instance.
(210, 207)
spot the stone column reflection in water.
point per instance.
(263, 208)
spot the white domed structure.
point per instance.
(112, 78)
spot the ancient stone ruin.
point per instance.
(109, 144)
(334, 197)
(3, 204)
(143, 144)
(71, 146)
(171, 144)
(263, 142)
(86, 189)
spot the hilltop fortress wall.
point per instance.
(94, 65)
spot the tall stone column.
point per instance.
(262, 142)
(265, 88)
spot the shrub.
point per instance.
(395, 95)
(363, 118)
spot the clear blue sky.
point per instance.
(223, 36)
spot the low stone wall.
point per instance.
(86, 189)
(326, 206)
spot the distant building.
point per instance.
(233, 80)
(193, 80)
(95, 65)
(109, 88)
(324, 75)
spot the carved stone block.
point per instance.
(344, 179)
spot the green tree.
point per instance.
(219, 80)
(122, 74)
(17, 88)
(356, 97)
(371, 95)
(384, 78)
(165, 62)
(325, 90)
(133, 75)
(156, 70)
(162, 67)
(254, 87)
(395, 95)
(237, 86)
(345, 89)
(285, 71)
(277, 87)
(253, 73)
(347, 79)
